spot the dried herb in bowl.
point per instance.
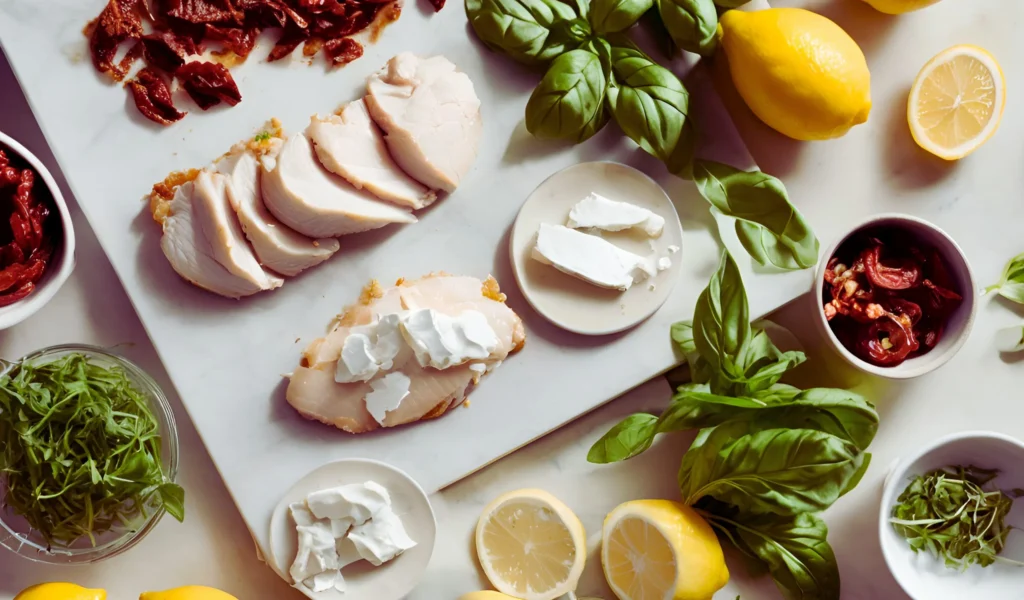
(949, 513)
(80, 451)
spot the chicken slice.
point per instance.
(430, 115)
(306, 197)
(349, 144)
(277, 246)
(190, 253)
(315, 393)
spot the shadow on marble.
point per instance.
(909, 165)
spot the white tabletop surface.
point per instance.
(976, 390)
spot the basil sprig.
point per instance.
(767, 456)
(1011, 284)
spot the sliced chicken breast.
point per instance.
(430, 115)
(315, 393)
(306, 197)
(349, 144)
(191, 255)
(277, 246)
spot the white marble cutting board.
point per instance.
(226, 357)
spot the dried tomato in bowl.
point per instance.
(26, 229)
(887, 296)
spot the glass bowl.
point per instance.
(15, 533)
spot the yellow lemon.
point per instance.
(661, 549)
(957, 101)
(486, 596)
(798, 71)
(531, 546)
(60, 591)
(898, 7)
(188, 592)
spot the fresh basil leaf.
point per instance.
(1010, 339)
(569, 102)
(613, 16)
(172, 496)
(530, 31)
(682, 334)
(1011, 284)
(652, 107)
(770, 228)
(780, 471)
(796, 551)
(721, 322)
(693, 24)
(627, 439)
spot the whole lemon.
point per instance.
(60, 591)
(898, 7)
(189, 592)
(798, 71)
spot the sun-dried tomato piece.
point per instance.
(11, 276)
(168, 50)
(18, 294)
(898, 274)
(287, 43)
(119, 21)
(903, 309)
(887, 342)
(209, 84)
(203, 11)
(437, 4)
(240, 40)
(153, 98)
(343, 51)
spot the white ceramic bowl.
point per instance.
(919, 574)
(958, 327)
(63, 260)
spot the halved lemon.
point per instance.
(531, 546)
(661, 550)
(957, 102)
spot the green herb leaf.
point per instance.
(1010, 339)
(172, 496)
(627, 439)
(1011, 284)
(721, 322)
(613, 16)
(569, 102)
(651, 106)
(770, 228)
(533, 32)
(693, 24)
(262, 136)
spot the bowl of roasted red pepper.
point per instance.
(896, 296)
(37, 240)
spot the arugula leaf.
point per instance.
(629, 438)
(1011, 284)
(652, 107)
(781, 471)
(613, 16)
(770, 228)
(693, 24)
(533, 32)
(721, 322)
(569, 101)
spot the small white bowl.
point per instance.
(63, 260)
(958, 327)
(924, 577)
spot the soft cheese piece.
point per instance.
(382, 538)
(356, 503)
(441, 341)
(277, 246)
(430, 115)
(221, 228)
(314, 391)
(191, 255)
(597, 212)
(589, 258)
(349, 144)
(317, 552)
(306, 197)
(387, 394)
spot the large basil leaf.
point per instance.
(770, 228)
(721, 322)
(569, 101)
(627, 439)
(612, 16)
(781, 471)
(529, 31)
(693, 24)
(682, 335)
(652, 107)
(1011, 284)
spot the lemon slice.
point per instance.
(530, 545)
(661, 550)
(957, 102)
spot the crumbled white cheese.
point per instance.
(597, 212)
(589, 258)
(369, 349)
(441, 341)
(673, 249)
(664, 262)
(317, 552)
(357, 502)
(381, 538)
(387, 394)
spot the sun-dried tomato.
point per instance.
(203, 11)
(27, 242)
(343, 51)
(897, 275)
(19, 294)
(168, 50)
(287, 43)
(887, 342)
(240, 40)
(437, 4)
(153, 98)
(120, 21)
(209, 84)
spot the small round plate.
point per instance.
(392, 580)
(572, 303)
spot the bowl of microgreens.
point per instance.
(88, 455)
(949, 518)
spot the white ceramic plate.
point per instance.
(390, 581)
(574, 304)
